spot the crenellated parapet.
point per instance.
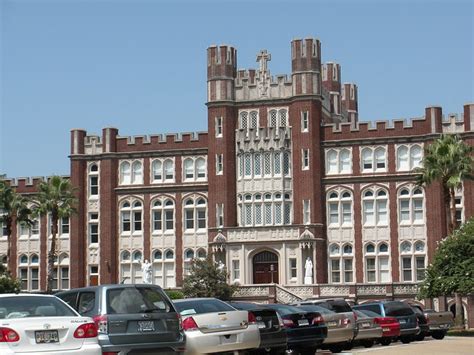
(187, 140)
(247, 86)
(433, 122)
(26, 185)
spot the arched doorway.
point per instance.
(265, 268)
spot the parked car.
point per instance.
(399, 310)
(422, 322)
(390, 326)
(44, 324)
(273, 339)
(337, 305)
(369, 330)
(340, 329)
(306, 331)
(213, 326)
(438, 323)
(131, 319)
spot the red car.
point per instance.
(390, 326)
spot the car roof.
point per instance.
(25, 294)
(111, 286)
(196, 299)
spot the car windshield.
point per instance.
(245, 306)
(369, 307)
(136, 300)
(33, 306)
(397, 309)
(368, 313)
(313, 308)
(284, 309)
(200, 306)
(361, 314)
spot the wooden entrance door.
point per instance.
(265, 268)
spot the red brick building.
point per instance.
(285, 173)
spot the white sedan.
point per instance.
(44, 324)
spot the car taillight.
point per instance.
(288, 323)
(346, 321)
(180, 321)
(189, 324)
(318, 320)
(8, 335)
(88, 330)
(109, 353)
(101, 323)
(251, 318)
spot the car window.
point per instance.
(370, 307)
(397, 309)
(312, 308)
(244, 306)
(136, 300)
(339, 306)
(34, 306)
(284, 309)
(86, 303)
(369, 313)
(69, 298)
(202, 306)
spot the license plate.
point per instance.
(331, 324)
(261, 325)
(146, 326)
(365, 325)
(303, 322)
(402, 321)
(228, 339)
(385, 329)
(46, 336)
(443, 326)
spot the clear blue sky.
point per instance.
(140, 65)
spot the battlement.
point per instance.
(433, 122)
(308, 47)
(187, 140)
(28, 184)
(247, 77)
(221, 62)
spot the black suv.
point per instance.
(132, 319)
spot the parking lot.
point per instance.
(449, 345)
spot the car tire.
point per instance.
(406, 339)
(336, 348)
(368, 343)
(438, 335)
(308, 351)
(385, 341)
(420, 337)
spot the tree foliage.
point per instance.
(452, 269)
(447, 160)
(56, 197)
(7, 283)
(207, 280)
(13, 209)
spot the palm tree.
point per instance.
(13, 208)
(449, 161)
(55, 197)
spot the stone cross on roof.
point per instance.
(263, 57)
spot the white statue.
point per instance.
(147, 272)
(220, 265)
(308, 271)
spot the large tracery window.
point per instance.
(28, 272)
(373, 160)
(412, 261)
(278, 118)
(374, 207)
(266, 209)
(410, 206)
(164, 268)
(339, 209)
(130, 266)
(264, 164)
(249, 120)
(341, 263)
(377, 263)
(61, 273)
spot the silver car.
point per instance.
(369, 330)
(213, 326)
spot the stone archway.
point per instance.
(265, 267)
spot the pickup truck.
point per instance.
(437, 323)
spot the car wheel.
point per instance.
(336, 348)
(368, 343)
(385, 341)
(438, 335)
(308, 351)
(405, 339)
(420, 337)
